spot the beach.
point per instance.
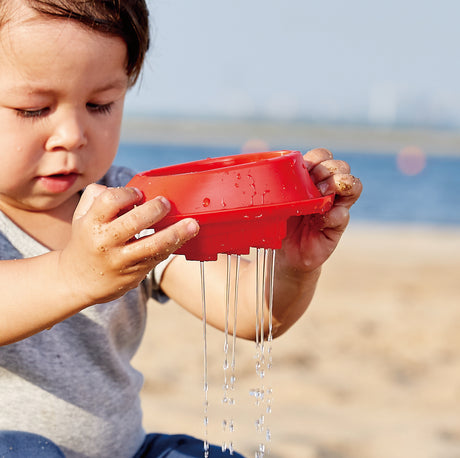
(372, 370)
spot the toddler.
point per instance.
(74, 278)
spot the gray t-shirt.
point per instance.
(74, 383)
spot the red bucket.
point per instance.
(239, 201)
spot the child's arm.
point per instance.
(309, 242)
(102, 261)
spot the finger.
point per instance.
(313, 157)
(335, 220)
(158, 246)
(144, 216)
(110, 203)
(87, 199)
(342, 185)
(328, 168)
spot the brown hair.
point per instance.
(127, 19)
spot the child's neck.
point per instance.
(51, 228)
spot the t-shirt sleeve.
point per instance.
(117, 176)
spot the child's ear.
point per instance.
(87, 199)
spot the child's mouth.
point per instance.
(60, 182)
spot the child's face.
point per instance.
(62, 89)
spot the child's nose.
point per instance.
(68, 132)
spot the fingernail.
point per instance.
(138, 192)
(193, 227)
(323, 187)
(165, 202)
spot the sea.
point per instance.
(417, 189)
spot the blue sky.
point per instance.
(358, 60)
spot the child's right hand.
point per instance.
(103, 259)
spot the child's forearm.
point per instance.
(292, 294)
(34, 297)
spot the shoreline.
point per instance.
(289, 135)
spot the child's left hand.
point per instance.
(312, 239)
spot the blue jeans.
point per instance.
(17, 444)
(178, 446)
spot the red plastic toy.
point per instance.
(239, 201)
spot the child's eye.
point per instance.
(100, 108)
(32, 113)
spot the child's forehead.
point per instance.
(126, 19)
(20, 14)
(14, 10)
(37, 46)
(19, 22)
(26, 21)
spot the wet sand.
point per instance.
(372, 370)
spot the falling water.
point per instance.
(229, 384)
(268, 434)
(205, 363)
(235, 310)
(263, 393)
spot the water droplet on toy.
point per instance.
(264, 194)
(206, 202)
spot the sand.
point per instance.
(371, 370)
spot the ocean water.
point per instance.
(425, 196)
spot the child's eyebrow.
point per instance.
(119, 83)
(116, 84)
(28, 89)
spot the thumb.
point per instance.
(87, 199)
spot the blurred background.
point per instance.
(373, 369)
(354, 62)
